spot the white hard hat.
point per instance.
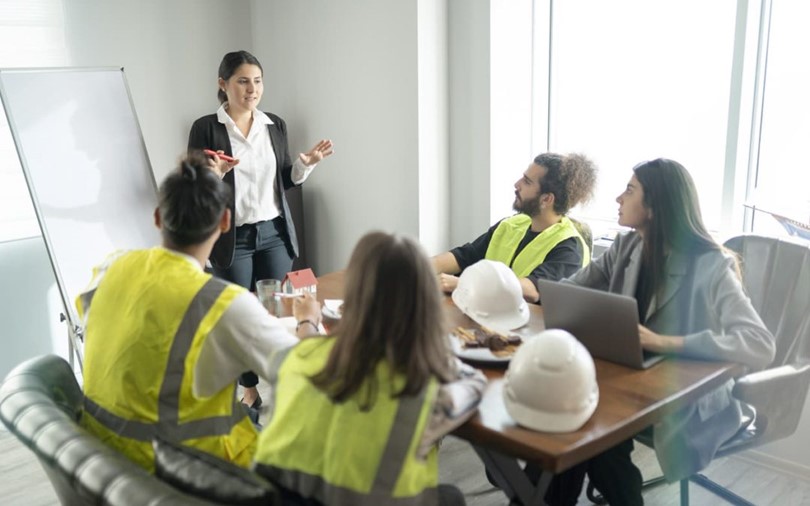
(490, 293)
(550, 385)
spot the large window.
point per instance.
(783, 175)
(637, 80)
(719, 86)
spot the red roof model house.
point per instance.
(300, 282)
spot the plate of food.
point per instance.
(332, 308)
(484, 345)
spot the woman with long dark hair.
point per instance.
(691, 303)
(358, 414)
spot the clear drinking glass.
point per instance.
(269, 293)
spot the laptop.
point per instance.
(606, 323)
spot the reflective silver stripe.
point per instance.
(141, 431)
(275, 362)
(392, 461)
(212, 426)
(86, 298)
(168, 425)
(317, 488)
(399, 440)
(201, 304)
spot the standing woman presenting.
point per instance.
(262, 244)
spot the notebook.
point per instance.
(606, 323)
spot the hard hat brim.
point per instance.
(550, 422)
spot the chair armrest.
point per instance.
(778, 395)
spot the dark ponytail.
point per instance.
(191, 201)
(188, 170)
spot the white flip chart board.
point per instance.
(86, 166)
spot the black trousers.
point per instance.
(260, 253)
(612, 473)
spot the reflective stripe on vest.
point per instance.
(288, 456)
(511, 231)
(391, 463)
(168, 425)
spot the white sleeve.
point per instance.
(301, 172)
(455, 403)
(245, 339)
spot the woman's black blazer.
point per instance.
(208, 133)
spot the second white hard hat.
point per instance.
(550, 385)
(490, 293)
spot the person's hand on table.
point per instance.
(307, 312)
(658, 343)
(220, 166)
(318, 152)
(447, 282)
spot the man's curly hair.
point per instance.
(570, 178)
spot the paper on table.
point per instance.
(332, 309)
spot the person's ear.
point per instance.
(221, 84)
(225, 221)
(158, 222)
(547, 199)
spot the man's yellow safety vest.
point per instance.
(509, 233)
(340, 454)
(150, 315)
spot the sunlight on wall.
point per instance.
(31, 35)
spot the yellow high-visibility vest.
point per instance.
(509, 233)
(338, 453)
(146, 324)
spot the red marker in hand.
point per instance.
(223, 156)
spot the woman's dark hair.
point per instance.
(392, 311)
(191, 201)
(571, 179)
(230, 62)
(676, 223)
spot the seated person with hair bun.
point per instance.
(165, 342)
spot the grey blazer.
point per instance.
(704, 301)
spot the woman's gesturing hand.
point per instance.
(320, 151)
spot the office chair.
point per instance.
(40, 403)
(776, 276)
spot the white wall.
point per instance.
(790, 454)
(347, 71)
(469, 49)
(30, 304)
(433, 126)
(170, 52)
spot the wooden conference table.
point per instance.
(629, 401)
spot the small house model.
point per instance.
(302, 281)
